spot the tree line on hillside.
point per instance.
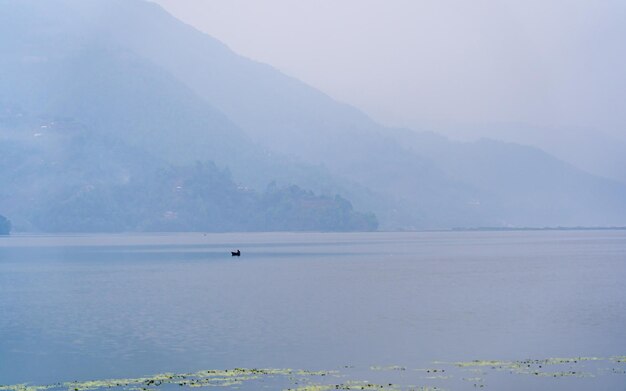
(59, 176)
(200, 197)
(5, 225)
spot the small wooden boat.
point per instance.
(235, 253)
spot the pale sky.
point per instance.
(440, 63)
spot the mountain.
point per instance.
(134, 75)
(514, 185)
(82, 111)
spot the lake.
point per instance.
(433, 310)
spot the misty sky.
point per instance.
(441, 63)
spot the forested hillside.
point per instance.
(59, 177)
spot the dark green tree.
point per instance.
(5, 225)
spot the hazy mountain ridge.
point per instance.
(158, 85)
(589, 149)
(557, 190)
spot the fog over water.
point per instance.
(542, 73)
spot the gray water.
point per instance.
(114, 306)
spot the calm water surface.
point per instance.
(111, 306)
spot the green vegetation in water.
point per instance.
(619, 359)
(442, 376)
(548, 367)
(214, 378)
(351, 385)
(389, 368)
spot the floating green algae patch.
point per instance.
(388, 368)
(208, 378)
(577, 367)
(352, 385)
(621, 359)
(455, 375)
(24, 387)
(483, 363)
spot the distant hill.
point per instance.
(522, 186)
(59, 177)
(135, 77)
